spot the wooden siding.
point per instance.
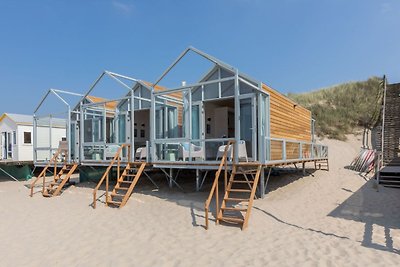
(391, 142)
(288, 120)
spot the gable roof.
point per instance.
(27, 120)
(177, 95)
(18, 118)
(109, 105)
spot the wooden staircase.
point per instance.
(60, 176)
(240, 190)
(126, 181)
(239, 194)
(389, 175)
(59, 180)
(322, 164)
(125, 184)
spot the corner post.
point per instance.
(132, 127)
(69, 134)
(34, 139)
(152, 127)
(81, 132)
(237, 117)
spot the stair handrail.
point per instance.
(43, 172)
(117, 158)
(214, 188)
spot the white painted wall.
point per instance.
(24, 152)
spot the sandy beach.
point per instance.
(335, 218)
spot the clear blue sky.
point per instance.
(292, 45)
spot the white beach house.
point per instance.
(16, 140)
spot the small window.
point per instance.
(14, 137)
(27, 138)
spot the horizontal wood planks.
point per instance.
(287, 119)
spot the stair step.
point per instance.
(242, 182)
(231, 219)
(117, 203)
(239, 190)
(236, 199)
(247, 172)
(129, 174)
(234, 209)
(125, 182)
(389, 181)
(391, 185)
(117, 195)
(122, 188)
(389, 176)
(46, 194)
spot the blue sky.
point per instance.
(292, 45)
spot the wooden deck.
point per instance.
(214, 165)
(15, 163)
(205, 165)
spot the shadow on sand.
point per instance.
(374, 206)
(188, 197)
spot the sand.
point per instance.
(335, 218)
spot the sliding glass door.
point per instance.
(247, 128)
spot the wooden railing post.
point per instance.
(216, 201)
(108, 175)
(118, 167)
(226, 172)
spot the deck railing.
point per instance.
(189, 150)
(214, 188)
(116, 160)
(279, 149)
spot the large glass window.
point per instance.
(121, 128)
(196, 122)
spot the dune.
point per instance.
(335, 218)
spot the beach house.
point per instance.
(226, 123)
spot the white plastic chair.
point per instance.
(242, 152)
(195, 151)
(141, 153)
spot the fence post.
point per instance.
(301, 150)
(284, 150)
(148, 151)
(312, 151)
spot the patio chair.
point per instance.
(195, 151)
(242, 152)
(141, 154)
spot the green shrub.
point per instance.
(345, 108)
